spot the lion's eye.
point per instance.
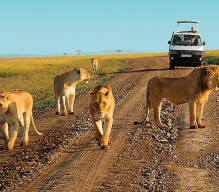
(95, 104)
(1, 105)
(104, 103)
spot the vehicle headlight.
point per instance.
(173, 52)
(198, 53)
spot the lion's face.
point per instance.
(100, 104)
(216, 81)
(4, 102)
(213, 78)
(84, 75)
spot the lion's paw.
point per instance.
(58, 113)
(24, 143)
(105, 147)
(71, 113)
(65, 113)
(201, 125)
(193, 127)
(10, 147)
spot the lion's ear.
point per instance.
(210, 72)
(108, 94)
(91, 94)
(7, 95)
(3, 93)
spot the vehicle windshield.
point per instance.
(187, 40)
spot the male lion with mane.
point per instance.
(15, 110)
(64, 87)
(101, 109)
(193, 89)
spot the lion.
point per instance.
(64, 87)
(193, 89)
(15, 110)
(101, 108)
(94, 62)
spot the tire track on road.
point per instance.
(81, 172)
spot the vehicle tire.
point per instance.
(172, 66)
(201, 64)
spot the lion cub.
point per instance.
(64, 87)
(15, 109)
(101, 108)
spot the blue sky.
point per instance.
(59, 26)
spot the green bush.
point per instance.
(211, 60)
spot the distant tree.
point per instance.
(78, 52)
(65, 54)
(118, 51)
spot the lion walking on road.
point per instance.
(101, 108)
(193, 89)
(15, 110)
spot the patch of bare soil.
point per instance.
(141, 158)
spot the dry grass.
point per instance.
(214, 52)
(27, 64)
(37, 74)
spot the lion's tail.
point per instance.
(34, 126)
(146, 109)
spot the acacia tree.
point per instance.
(78, 52)
(118, 51)
(65, 54)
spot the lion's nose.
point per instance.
(100, 113)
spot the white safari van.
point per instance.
(186, 47)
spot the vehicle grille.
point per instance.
(186, 52)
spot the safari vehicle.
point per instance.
(186, 47)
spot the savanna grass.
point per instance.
(211, 57)
(36, 74)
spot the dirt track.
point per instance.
(141, 158)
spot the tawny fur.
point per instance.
(101, 108)
(64, 87)
(94, 62)
(193, 89)
(15, 110)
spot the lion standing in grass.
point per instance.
(16, 109)
(101, 109)
(94, 62)
(64, 87)
(193, 89)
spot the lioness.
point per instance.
(193, 89)
(94, 62)
(101, 109)
(64, 87)
(16, 108)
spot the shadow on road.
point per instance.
(137, 71)
(150, 70)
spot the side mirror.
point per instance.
(169, 42)
(204, 43)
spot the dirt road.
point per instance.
(141, 158)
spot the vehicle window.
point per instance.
(187, 40)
